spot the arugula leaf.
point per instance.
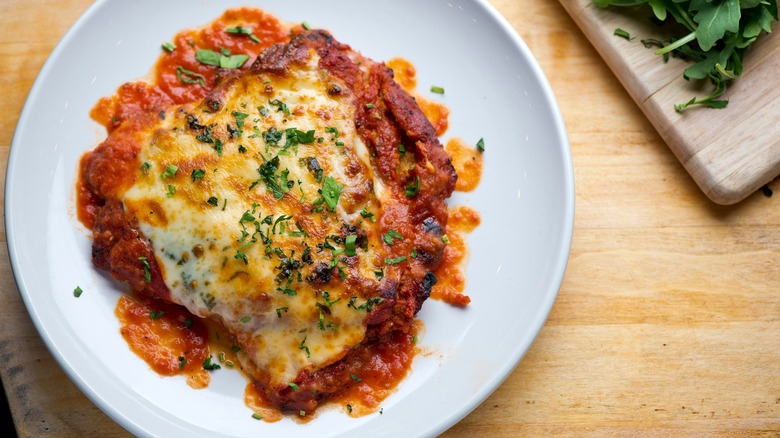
(719, 33)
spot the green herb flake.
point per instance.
(182, 362)
(390, 235)
(331, 190)
(355, 378)
(170, 171)
(171, 191)
(197, 174)
(208, 365)
(257, 416)
(294, 387)
(189, 77)
(147, 275)
(481, 145)
(413, 189)
(245, 319)
(156, 314)
(305, 25)
(168, 46)
(395, 260)
(77, 291)
(437, 90)
(349, 243)
(623, 34)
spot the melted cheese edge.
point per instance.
(221, 254)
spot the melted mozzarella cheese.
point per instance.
(243, 221)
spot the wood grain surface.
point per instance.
(729, 152)
(668, 319)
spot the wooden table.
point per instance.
(668, 320)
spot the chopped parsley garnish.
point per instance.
(182, 362)
(305, 25)
(208, 365)
(401, 150)
(147, 275)
(187, 76)
(279, 311)
(280, 106)
(171, 191)
(168, 46)
(303, 346)
(413, 189)
(188, 323)
(331, 190)
(349, 243)
(170, 172)
(223, 59)
(390, 235)
(355, 378)
(156, 314)
(77, 291)
(245, 319)
(438, 90)
(145, 167)
(294, 387)
(240, 30)
(481, 145)
(349, 408)
(257, 416)
(197, 174)
(395, 260)
(213, 201)
(241, 149)
(445, 239)
(368, 215)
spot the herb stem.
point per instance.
(679, 43)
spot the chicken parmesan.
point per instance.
(300, 205)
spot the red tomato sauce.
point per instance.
(166, 336)
(170, 339)
(169, 82)
(451, 278)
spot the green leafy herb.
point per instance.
(719, 33)
(395, 260)
(208, 365)
(257, 416)
(438, 90)
(481, 145)
(77, 291)
(245, 319)
(413, 189)
(390, 235)
(147, 275)
(168, 46)
(222, 59)
(189, 77)
(305, 25)
(623, 34)
(156, 314)
(294, 387)
(197, 174)
(331, 190)
(170, 172)
(355, 378)
(171, 191)
(182, 362)
(349, 244)
(240, 30)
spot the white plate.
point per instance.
(494, 88)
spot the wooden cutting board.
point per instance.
(729, 152)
